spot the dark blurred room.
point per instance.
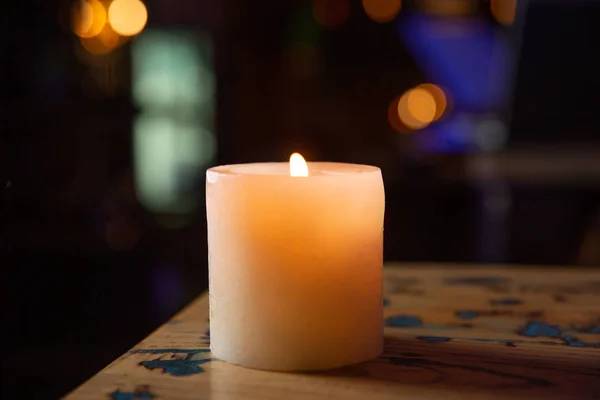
(483, 116)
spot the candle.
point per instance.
(295, 264)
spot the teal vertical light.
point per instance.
(173, 85)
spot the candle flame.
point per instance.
(298, 166)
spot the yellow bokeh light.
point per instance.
(441, 102)
(382, 10)
(88, 18)
(504, 10)
(127, 17)
(298, 166)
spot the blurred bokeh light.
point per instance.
(168, 153)
(88, 18)
(127, 17)
(438, 95)
(108, 37)
(382, 10)
(102, 31)
(394, 118)
(173, 84)
(504, 10)
(98, 45)
(416, 108)
(168, 71)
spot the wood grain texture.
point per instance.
(451, 333)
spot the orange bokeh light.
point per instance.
(504, 10)
(108, 37)
(441, 102)
(405, 114)
(103, 43)
(382, 10)
(127, 17)
(417, 108)
(88, 18)
(393, 117)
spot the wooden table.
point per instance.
(451, 333)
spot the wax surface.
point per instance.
(295, 265)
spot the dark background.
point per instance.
(102, 233)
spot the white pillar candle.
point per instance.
(295, 264)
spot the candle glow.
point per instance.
(298, 166)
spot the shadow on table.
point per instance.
(548, 371)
